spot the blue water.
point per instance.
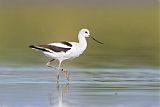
(35, 86)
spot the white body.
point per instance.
(76, 49)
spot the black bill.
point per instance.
(96, 40)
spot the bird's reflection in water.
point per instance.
(62, 90)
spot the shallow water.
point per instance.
(35, 86)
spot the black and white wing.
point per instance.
(53, 47)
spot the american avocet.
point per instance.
(65, 50)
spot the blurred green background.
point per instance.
(128, 28)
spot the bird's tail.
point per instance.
(37, 48)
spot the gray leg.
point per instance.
(60, 61)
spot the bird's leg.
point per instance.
(49, 63)
(66, 72)
(60, 61)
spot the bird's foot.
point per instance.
(66, 73)
(49, 64)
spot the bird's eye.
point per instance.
(86, 32)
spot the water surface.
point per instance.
(35, 86)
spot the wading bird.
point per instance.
(64, 50)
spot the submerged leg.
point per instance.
(49, 63)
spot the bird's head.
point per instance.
(86, 33)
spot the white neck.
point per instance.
(82, 40)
